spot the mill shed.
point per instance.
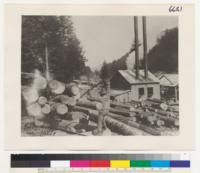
(134, 88)
(169, 87)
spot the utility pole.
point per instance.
(47, 63)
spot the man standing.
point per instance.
(105, 101)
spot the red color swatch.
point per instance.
(100, 163)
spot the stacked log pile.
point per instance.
(150, 112)
(53, 104)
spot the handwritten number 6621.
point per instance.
(173, 9)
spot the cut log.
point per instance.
(146, 118)
(151, 119)
(35, 110)
(126, 106)
(72, 89)
(111, 123)
(164, 113)
(129, 107)
(116, 104)
(39, 82)
(30, 95)
(122, 118)
(157, 104)
(65, 100)
(173, 109)
(176, 123)
(134, 124)
(143, 127)
(88, 104)
(155, 100)
(42, 100)
(124, 113)
(160, 123)
(39, 123)
(46, 109)
(112, 104)
(147, 129)
(136, 104)
(169, 121)
(77, 97)
(94, 99)
(170, 114)
(89, 90)
(163, 106)
(99, 106)
(68, 124)
(56, 87)
(76, 116)
(61, 109)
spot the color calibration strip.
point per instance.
(100, 161)
(121, 164)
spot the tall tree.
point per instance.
(105, 71)
(164, 55)
(66, 59)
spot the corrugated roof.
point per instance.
(170, 79)
(130, 77)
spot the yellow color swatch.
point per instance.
(120, 163)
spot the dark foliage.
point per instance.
(109, 69)
(164, 55)
(66, 59)
(105, 71)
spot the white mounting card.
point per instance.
(49, 47)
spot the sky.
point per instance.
(107, 38)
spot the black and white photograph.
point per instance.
(99, 75)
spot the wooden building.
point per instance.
(131, 88)
(169, 87)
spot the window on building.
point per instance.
(141, 92)
(150, 91)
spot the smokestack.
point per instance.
(145, 46)
(136, 47)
